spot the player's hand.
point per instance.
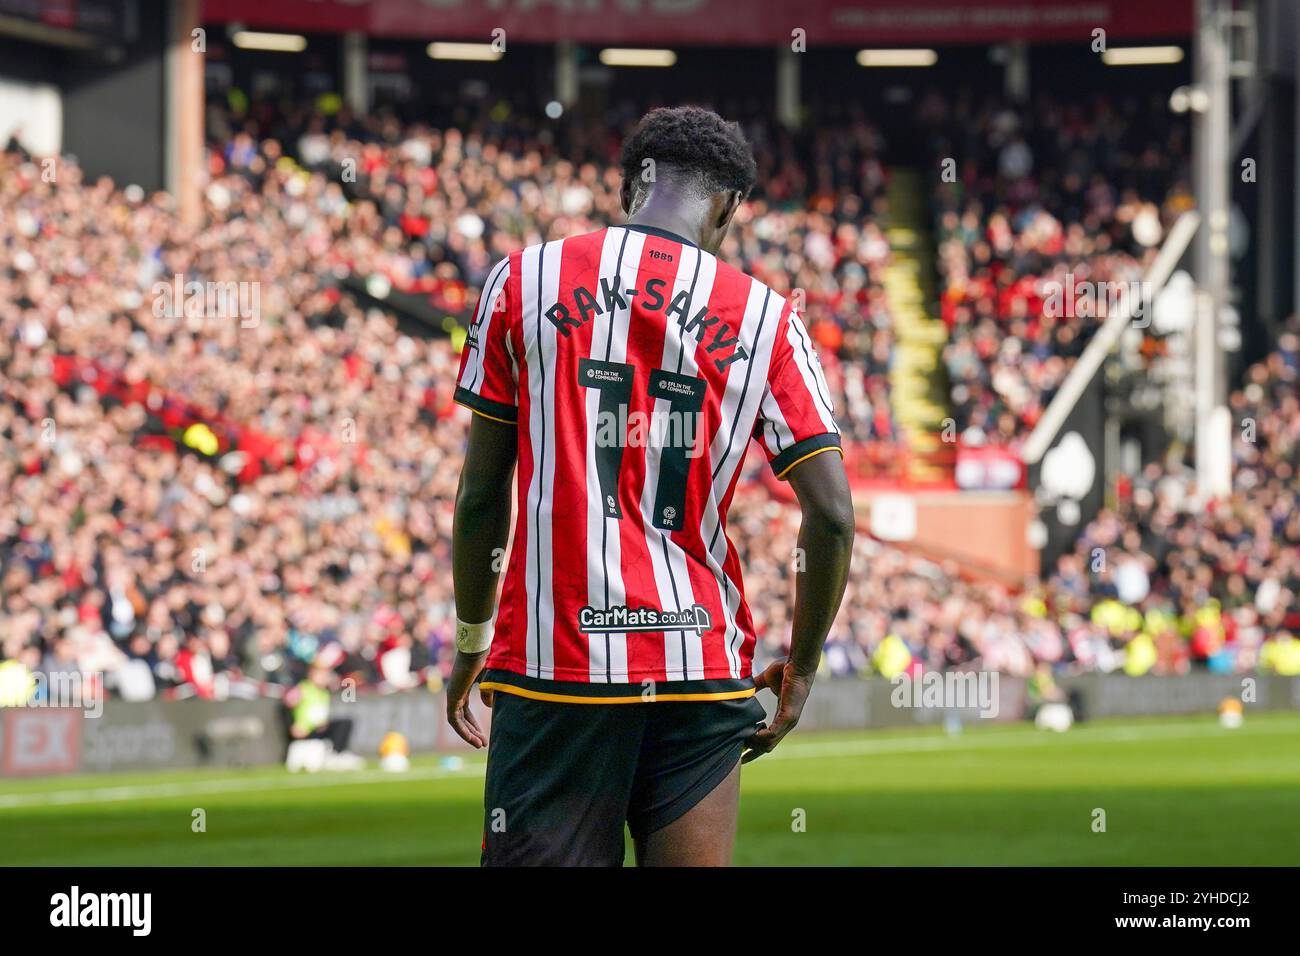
(791, 689)
(463, 673)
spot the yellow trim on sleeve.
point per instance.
(577, 699)
(785, 471)
(504, 421)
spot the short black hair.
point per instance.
(694, 143)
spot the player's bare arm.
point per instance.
(479, 532)
(826, 540)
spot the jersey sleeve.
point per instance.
(795, 419)
(488, 377)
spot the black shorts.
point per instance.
(564, 778)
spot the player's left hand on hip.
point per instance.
(792, 691)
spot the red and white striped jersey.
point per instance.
(637, 368)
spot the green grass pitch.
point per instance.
(1175, 791)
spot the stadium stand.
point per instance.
(1082, 188)
(224, 496)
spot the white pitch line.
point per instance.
(208, 787)
(995, 740)
(984, 740)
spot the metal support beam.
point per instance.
(356, 78)
(566, 73)
(788, 112)
(1212, 134)
(183, 163)
(1015, 80)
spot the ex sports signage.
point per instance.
(40, 740)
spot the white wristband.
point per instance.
(474, 638)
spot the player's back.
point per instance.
(637, 367)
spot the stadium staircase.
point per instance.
(918, 382)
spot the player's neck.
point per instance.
(668, 218)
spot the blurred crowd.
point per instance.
(1042, 216)
(1167, 580)
(130, 553)
(302, 506)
